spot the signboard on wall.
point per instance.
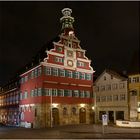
(105, 119)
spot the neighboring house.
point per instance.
(9, 103)
(134, 96)
(111, 93)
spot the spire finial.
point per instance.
(67, 20)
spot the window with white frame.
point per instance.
(25, 95)
(55, 71)
(48, 70)
(122, 97)
(80, 64)
(115, 98)
(109, 98)
(103, 98)
(87, 94)
(98, 99)
(61, 92)
(62, 73)
(35, 92)
(32, 93)
(47, 92)
(54, 92)
(82, 94)
(121, 85)
(108, 87)
(39, 92)
(39, 71)
(114, 86)
(76, 75)
(20, 96)
(88, 76)
(82, 76)
(32, 74)
(69, 93)
(35, 73)
(75, 93)
(69, 73)
(26, 78)
(59, 59)
(102, 88)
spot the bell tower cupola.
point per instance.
(67, 20)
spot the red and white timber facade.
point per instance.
(58, 91)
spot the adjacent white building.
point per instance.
(111, 96)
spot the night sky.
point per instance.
(109, 31)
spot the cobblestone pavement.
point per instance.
(70, 132)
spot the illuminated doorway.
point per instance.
(82, 115)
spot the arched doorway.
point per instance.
(82, 115)
(55, 116)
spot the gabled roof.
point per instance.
(114, 73)
(41, 54)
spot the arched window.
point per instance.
(65, 111)
(73, 111)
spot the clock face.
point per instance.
(70, 63)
